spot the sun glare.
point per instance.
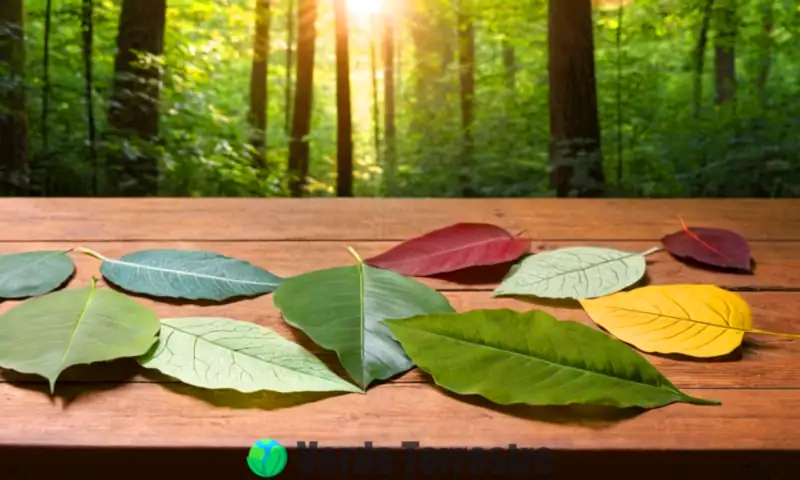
(365, 8)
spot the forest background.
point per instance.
(413, 98)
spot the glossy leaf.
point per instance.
(453, 248)
(48, 334)
(31, 274)
(341, 309)
(187, 274)
(710, 246)
(575, 273)
(512, 357)
(695, 320)
(220, 353)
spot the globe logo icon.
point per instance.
(267, 458)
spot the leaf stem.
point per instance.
(777, 334)
(355, 255)
(652, 250)
(92, 253)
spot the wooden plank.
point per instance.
(26, 219)
(762, 362)
(778, 263)
(149, 415)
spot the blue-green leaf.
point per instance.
(30, 274)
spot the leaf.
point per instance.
(31, 274)
(452, 248)
(51, 333)
(575, 273)
(219, 353)
(187, 274)
(512, 357)
(710, 246)
(341, 309)
(696, 320)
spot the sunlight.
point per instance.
(365, 8)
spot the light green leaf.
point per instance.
(187, 274)
(51, 333)
(31, 274)
(219, 353)
(575, 273)
(341, 309)
(511, 357)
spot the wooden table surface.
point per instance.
(116, 406)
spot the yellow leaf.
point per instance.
(696, 320)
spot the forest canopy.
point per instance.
(442, 98)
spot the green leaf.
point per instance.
(219, 353)
(31, 274)
(511, 357)
(51, 333)
(342, 308)
(187, 274)
(575, 273)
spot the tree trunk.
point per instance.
(13, 114)
(389, 127)
(376, 113)
(466, 61)
(289, 60)
(344, 120)
(575, 156)
(303, 101)
(699, 59)
(510, 65)
(135, 97)
(87, 25)
(724, 52)
(258, 84)
(765, 60)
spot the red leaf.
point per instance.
(452, 248)
(711, 246)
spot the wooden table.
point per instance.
(105, 414)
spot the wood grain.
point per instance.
(384, 219)
(135, 414)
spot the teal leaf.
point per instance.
(220, 353)
(513, 357)
(187, 274)
(342, 309)
(31, 274)
(574, 273)
(48, 334)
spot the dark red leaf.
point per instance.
(711, 246)
(452, 248)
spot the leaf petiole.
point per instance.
(355, 255)
(651, 251)
(94, 254)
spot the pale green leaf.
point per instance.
(31, 274)
(220, 353)
(51, 333)
(574, 273)
(342, 308)
(187, 274)
(511, 357)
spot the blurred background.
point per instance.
(412, 98)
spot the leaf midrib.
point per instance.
(202, 338)
(682, 319)
(74, 333)
(594, 265)
(191, 274)
(549, 362)
(416, 258)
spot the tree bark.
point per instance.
(389, 127)
(376, 113)
(765, 62)
(344, 120)
(13, 113)
(135, 97)
(725, 52)
(303, 101)
(259, 98)
(575, 156)
(700, 57)
(466, 61)
(87, 25)
(290, 13)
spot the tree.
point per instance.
(575, 157)
(389, 127)
(303, 101)
(135, 94)
(699, 58)
(259, 98)
(466, 64)
(725, 51)
(344, 121)
(13, 114)
(87, 26)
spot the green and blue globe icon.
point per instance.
(267, 458)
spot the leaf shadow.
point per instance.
(596, 417)
(565, 303)
(698, 265)
(181, 302)
(59, 287)
(479, 275)
(747, 349)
